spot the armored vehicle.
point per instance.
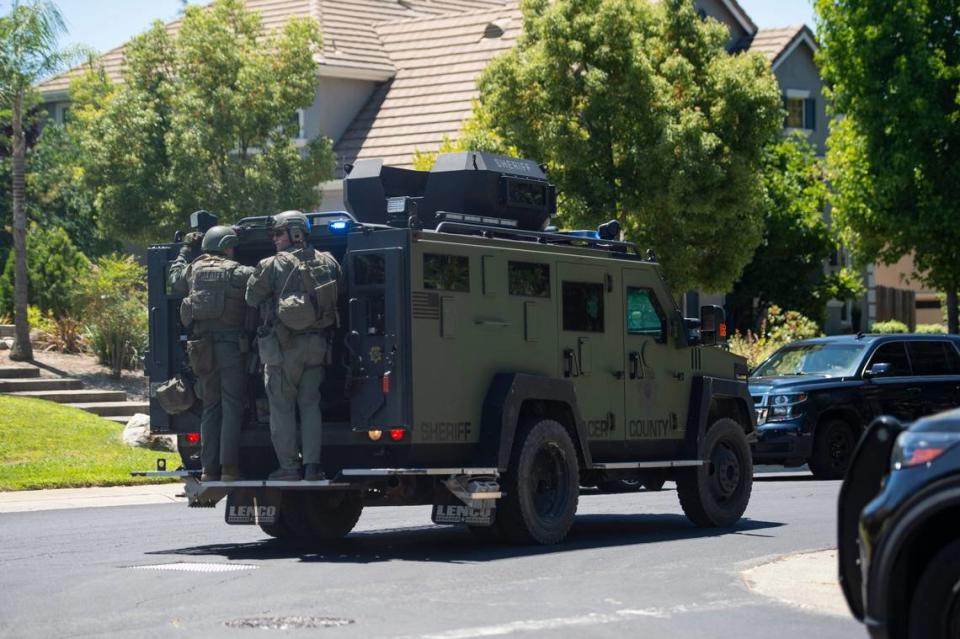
(485, 363)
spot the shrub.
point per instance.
(778, 328)
(890, 326)
(115, 308)
(54, 269)
(931, 329)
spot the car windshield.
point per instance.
(833, 360)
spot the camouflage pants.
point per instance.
(295, 383)
(224, 394)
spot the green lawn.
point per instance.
(46, 445)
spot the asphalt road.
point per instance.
(632, 566)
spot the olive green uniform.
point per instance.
(293, 359)
(222, 378)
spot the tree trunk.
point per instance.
(22, 349)
(952, 320)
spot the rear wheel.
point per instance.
(541, 486)
(316, 516)
(716, 494)
(833, 447)
(654, 484)
(935, 607)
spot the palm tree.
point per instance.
(28, 53)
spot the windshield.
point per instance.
(832, 360)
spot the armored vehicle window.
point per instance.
(930, 358)
(529, 280)
(894, 354)
(446, 272)
(368, 270)
(644, 316)
(583, 307)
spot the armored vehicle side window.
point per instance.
(446, 272)
(931, 358)
(368, 270)
(528, 279)
(894, 354)
(583, 307)
(644, 316)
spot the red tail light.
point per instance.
(193, 438)
(385, 383)
(396, 434)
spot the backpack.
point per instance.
(309, 296)
(209, 298)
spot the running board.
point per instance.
(389, 472)
(683, 463)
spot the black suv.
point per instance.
(898, 545)
(814, 397)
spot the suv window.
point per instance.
(644, 316)
(931, 358)
(894, 354)
(582, 307)
(446, 272)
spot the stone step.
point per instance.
(73, 396)
(39, 384)
(113, 409)
(18, 372)
(7, 330)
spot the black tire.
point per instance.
(619, 486)
(716, 494)
(541, 486)
(287, 524)
(654, 484)
(833, 446)
(935, 606)
(330, 515)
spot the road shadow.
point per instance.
(787, 477)
(455, 544)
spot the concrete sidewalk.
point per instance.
(55, 499)
(806, 580)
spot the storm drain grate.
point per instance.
(288, 623)
(196, 567)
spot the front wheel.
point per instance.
(935, 607)
(833, 446)
(716, 494)
(541, 486)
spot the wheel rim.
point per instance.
(549, 482)
(725, 472)
(840, 447)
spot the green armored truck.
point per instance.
(484, 363)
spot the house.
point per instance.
(396, 76)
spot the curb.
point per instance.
(98, 497)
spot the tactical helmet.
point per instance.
(219, 238)
(294, 223)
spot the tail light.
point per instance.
(193, 438)
(396, 434)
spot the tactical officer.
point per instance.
(214, 285)
(296, 291)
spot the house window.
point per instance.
(801, 110)
(296, 124)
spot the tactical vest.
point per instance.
(213, 296)
(308, 299)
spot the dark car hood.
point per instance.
(786, 383)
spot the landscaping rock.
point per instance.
(6, 343)
(136, 434)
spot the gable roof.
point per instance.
(351, 45)
(437, 61)
(778, 44)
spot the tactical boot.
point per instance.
(210, 475)
(231, 473)
(285, 474)
(313, 472)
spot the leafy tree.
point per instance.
(28, 53)
(202, 119)
(894, 72)
(640, 114)
(56, 269)
(787, 268)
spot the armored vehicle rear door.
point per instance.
(658, 376)
(590, 349)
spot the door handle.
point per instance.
(634, 364)
(567, 362)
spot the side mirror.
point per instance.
(880, 369)
(713, 325)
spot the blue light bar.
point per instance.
(339, 226)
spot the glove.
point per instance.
(193, 240)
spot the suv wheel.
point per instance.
(331, 515)
(833, 447)
(716, 494)
(541, 484)
(935, 607)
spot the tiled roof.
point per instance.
(773, 42)
(437, 61)
(351, 45)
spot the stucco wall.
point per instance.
(716, 9)
(337, 102)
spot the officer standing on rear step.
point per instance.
(296, 291)
(214, 287)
